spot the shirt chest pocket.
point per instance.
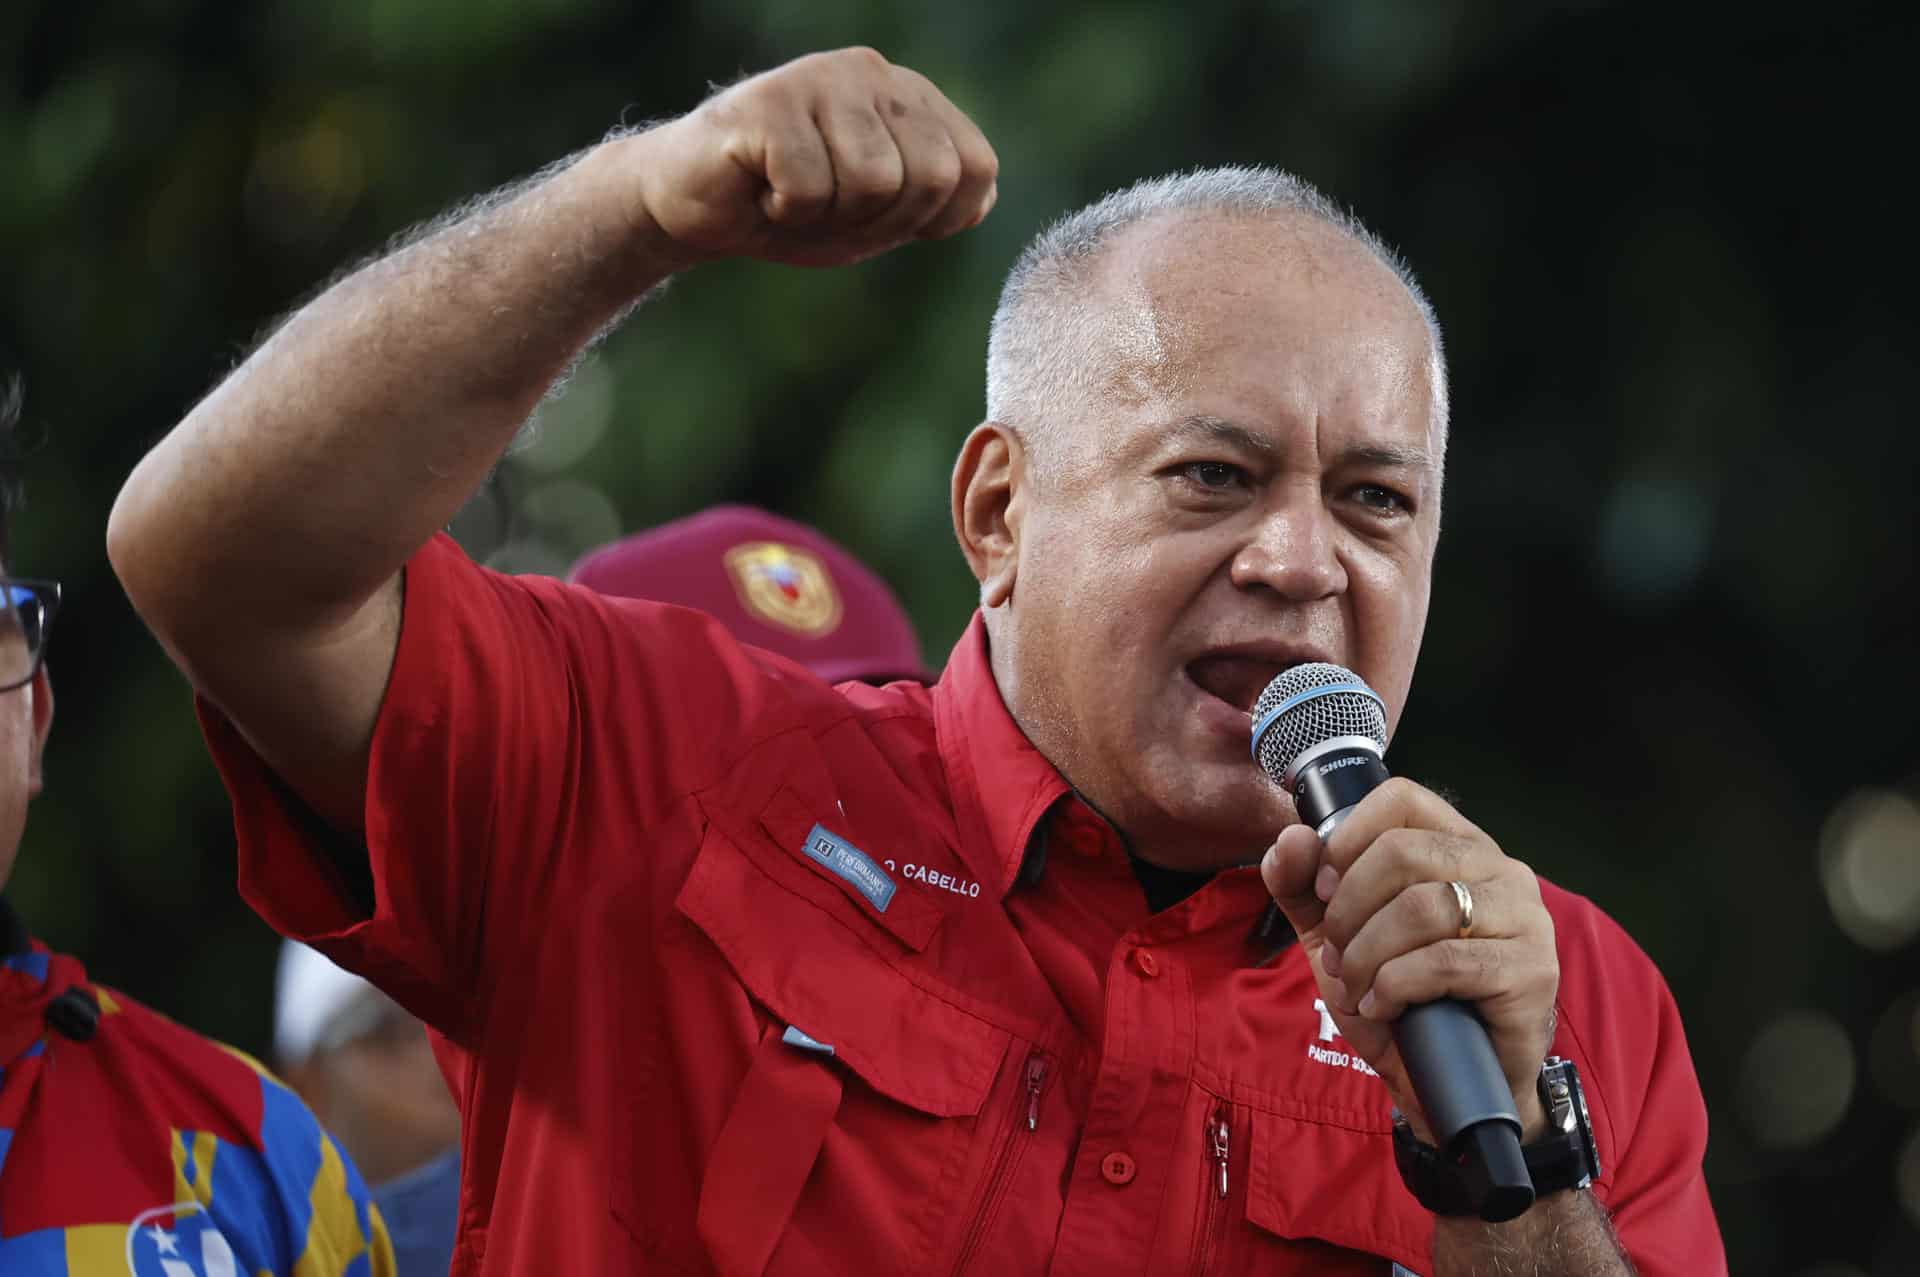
(843, 1094)
(1326, 1194)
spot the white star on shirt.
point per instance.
(163, 1239)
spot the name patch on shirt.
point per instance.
(852, 864)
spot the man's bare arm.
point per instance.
(1565, 1235)
(262, 540)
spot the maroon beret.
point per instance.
(774, 583)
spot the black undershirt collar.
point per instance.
(1165, 887)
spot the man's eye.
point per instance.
(1217, 476)
(1382, 500)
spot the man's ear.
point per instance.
(41, 690)
(989, 503)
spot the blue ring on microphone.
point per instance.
(1301, 698)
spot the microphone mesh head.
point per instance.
(1308, 705)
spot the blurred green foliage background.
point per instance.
(1671, 657)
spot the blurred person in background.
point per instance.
(366, 1069)
(127, 1143)
(357, 1058)
(742, 973)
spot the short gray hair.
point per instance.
(1037, 343)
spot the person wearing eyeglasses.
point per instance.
(129, 1144)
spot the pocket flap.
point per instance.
(865, 876)
(813, 970)
(1336, 1184)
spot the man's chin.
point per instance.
(1240, 812)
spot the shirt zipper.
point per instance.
(1012, 1144)
(1218, 1137)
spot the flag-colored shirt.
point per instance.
(129, 1145)
(735, 972)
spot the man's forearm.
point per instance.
(262, 540)
(307, 478)
(1565, 1235)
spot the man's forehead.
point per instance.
(1239, 256)
(1175, 296)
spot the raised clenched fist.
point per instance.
(830, 159)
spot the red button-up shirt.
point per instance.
(738, 973)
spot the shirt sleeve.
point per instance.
(524, 719)
(1649, 1117)
(1661, 1206)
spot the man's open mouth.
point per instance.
(1237, 680)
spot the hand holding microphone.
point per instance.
(1431, 947)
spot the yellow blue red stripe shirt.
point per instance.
(129, 1144)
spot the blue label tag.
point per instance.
(805, 1041)
(852, 864)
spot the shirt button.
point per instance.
(1145, 963)
(1117, 1169)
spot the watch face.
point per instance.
(1566, 1103)
(1569, 1102)
(1587, 1142)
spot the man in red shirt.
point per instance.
(361, 1062)
(737, 972)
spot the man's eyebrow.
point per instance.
(1395, 456)
(1220, 430)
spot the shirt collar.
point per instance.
(32, 980)
(986, 754)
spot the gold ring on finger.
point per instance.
(1463, 898)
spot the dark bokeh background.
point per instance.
(1671, 655)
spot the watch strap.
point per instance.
(1563, 1159)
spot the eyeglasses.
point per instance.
(24, 623)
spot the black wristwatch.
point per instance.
(1562, 1160)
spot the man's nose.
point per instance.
(1293, 551)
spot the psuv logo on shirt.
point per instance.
(1324, 1049)
(178, 1241)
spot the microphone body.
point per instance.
(1449, 1058)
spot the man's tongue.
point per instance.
(1237, 680)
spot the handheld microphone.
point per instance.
(1320, 733)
